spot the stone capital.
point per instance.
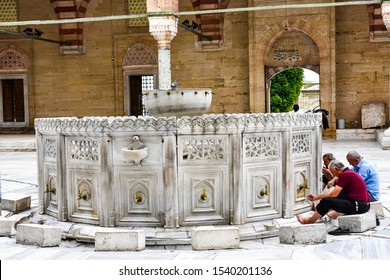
(163, 29)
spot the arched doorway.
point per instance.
(13, 90)
(289, 49)
(140, 73)
(262, 37)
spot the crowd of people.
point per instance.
(345, 190)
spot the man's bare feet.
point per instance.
(302, 220)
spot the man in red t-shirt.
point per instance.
(349, 196)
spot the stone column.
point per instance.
(41, 180)
(163, 29)
(386, 14)
(62, 206)
(170, 181)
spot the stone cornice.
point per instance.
(212, 123)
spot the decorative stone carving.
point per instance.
(136, 151)
(220, 169)
(139, 54)
(301, 144)
(266, 147)
(12, 60)
(95, 125)
(83, 150)
(373, 115)
(50, 149)
(205, 149)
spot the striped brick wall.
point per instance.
(72, 32)
(210, 25)
(378, 31)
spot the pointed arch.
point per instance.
(12, 61)
(139, 54)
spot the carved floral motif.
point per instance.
(203, 149)
(84, 150)
(301, 143)
(50, 148)
(261, 147)
(210, 122)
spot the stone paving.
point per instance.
(19, 175)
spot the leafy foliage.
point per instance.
(285, 89)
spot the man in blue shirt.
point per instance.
(368, 172)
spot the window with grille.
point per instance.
(147, 82)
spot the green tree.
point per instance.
(285, 89)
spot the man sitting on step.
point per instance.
(368, 172)
(349, 196)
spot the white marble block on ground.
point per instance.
(209, 237)
(39, 235)
(6, 226)
(302, 234)
(120, 240)
(377, 207)
(358, 222)
(15, 202)
(373, 115)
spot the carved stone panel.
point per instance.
(80, 149)
(301, 185)
(261, 147)
(262, 197)
(208, 149)
(83, 199)
(139, 197)
(301, 144)
(50, 149)
(50, 190)
(203, 195)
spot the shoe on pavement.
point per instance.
(339, 231)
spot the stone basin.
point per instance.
(135, 155)
(177, 102)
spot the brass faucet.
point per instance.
(303, 186)
(264, 191)
(137, 198)
(50, 190)
(83, 195)
(203, 196)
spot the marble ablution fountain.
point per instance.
(177, 170)
(202, 170)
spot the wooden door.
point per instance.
(13, 100)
